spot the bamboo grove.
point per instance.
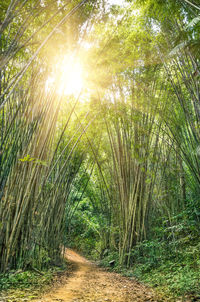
(131, 149)
(36, 174)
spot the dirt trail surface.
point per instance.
(92, 284)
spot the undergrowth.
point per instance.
(172, 278)
(27, 285)
(169, 263)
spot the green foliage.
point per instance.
(193, 22)
(27, 285)
(83, 230)
(111, 256)
(175, 279)
(28, 158)
(171, 260)
(24, 279)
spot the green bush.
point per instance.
(111, 256)
(24, 279)
(169, 261)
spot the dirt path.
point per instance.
(91, 284)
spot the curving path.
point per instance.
(91, 284)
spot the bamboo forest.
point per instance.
(99, 150)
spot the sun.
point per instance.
(71, 77)
(67, 77)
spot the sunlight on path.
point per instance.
(91, 284)
(74, 257)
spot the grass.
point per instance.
(21, 286)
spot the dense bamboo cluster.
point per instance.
(37, 163)
(150, 165)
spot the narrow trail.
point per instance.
(92, 284)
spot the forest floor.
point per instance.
(89, 283)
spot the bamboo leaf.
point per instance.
(178, 48)
(193, 22)
(27, 158)
(40, 162)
